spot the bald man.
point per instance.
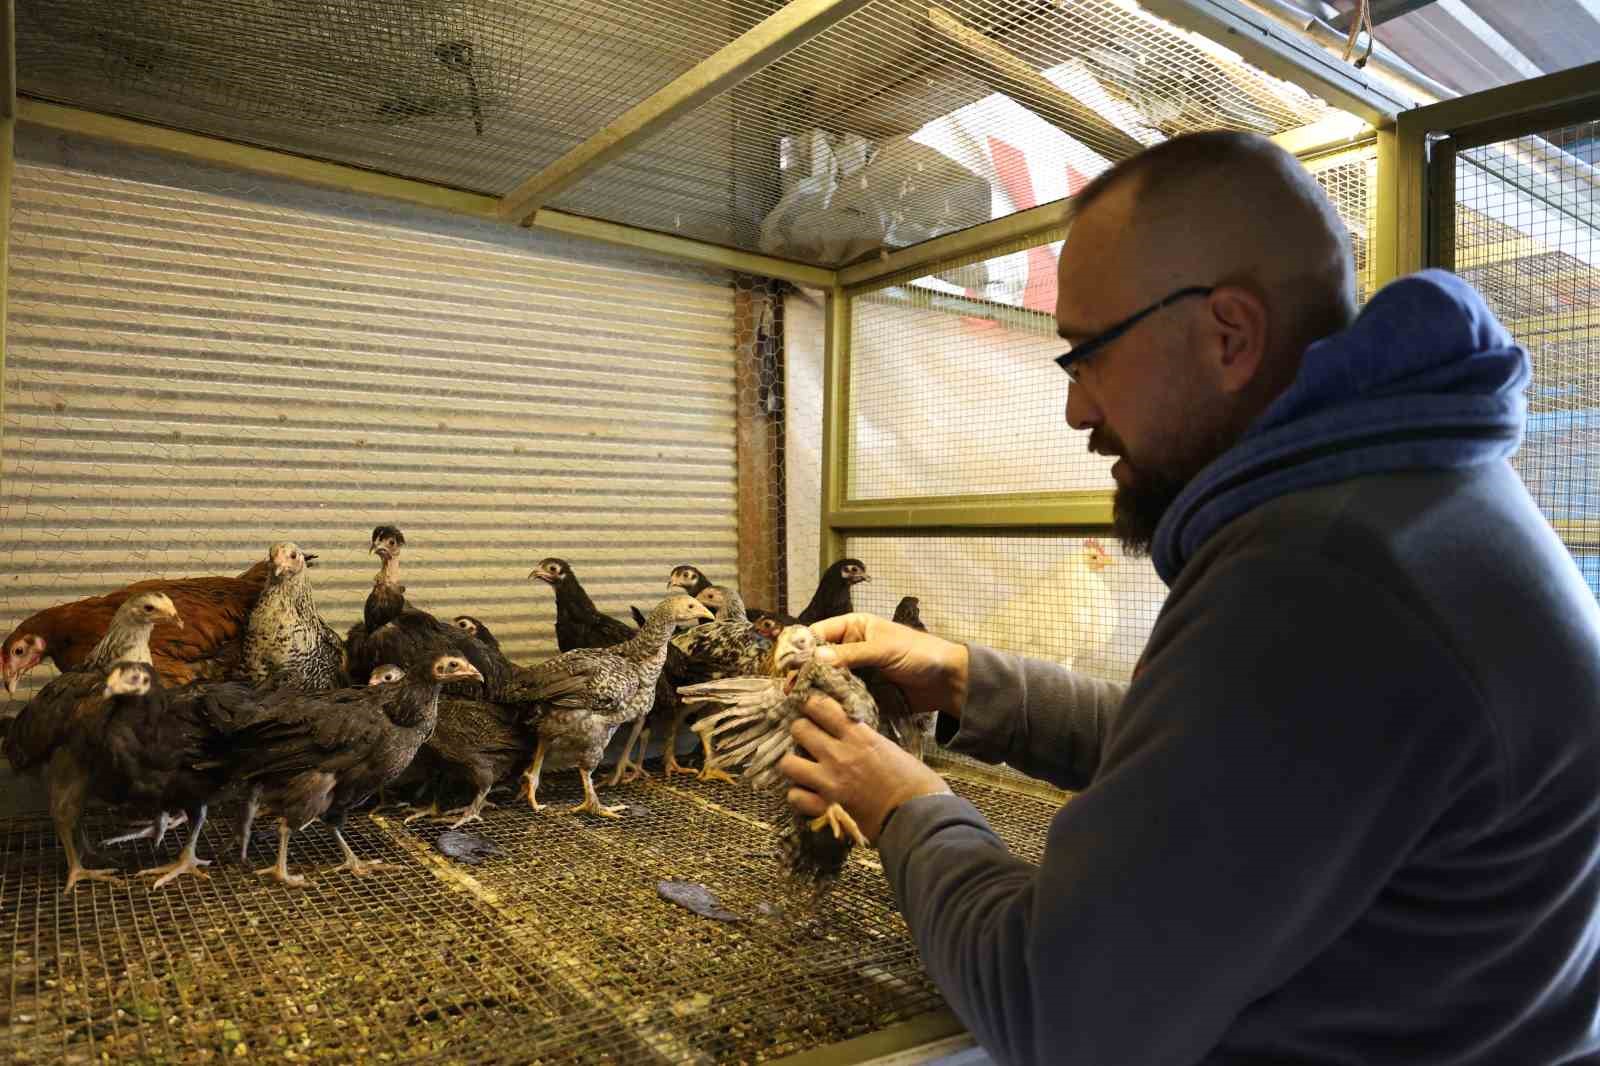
(1348, 810)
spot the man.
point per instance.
(1348, 810)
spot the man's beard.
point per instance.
(1143, 497)
(1137, 508)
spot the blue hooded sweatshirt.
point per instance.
(1348, 810)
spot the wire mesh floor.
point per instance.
(559, 949)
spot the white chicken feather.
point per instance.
(1069, 615)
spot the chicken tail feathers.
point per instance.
(814, 857)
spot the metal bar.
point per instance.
(952, 246)
(682, 248)
(255, 160)
(784, 30)
(1578, 533)
(1383, 66)
(422, 194)
(1045, 512)
(835, 423)
(8, 141)
(893, 1040)
(1466, 117)
(1382, 11)
(1441, 209)
(1010, 74)
(1325, 135)
(1286, 55)
(1399, 247)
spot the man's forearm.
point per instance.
(1035, 716)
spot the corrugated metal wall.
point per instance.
(201, 362)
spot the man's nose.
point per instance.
(1081, 410)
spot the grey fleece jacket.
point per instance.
(1348, 811)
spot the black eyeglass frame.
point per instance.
(1067, 361)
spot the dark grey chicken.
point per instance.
(832, 597)
(752, 727)
(286, 642)
(688, 578)
(579, 699)
(161, 750)
(316, 755)
(393, 631)
(71, 705)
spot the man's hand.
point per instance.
(931, 672)
(853, 765)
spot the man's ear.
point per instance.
(1238, 326)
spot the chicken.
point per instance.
(208, 646)
(1068, 616)
(160, 750)
(768, 627)
(392, 631)
(688, 578)
(580, 624)
(286, 642)
(751, 727)
(475, 628)
(726, 647)
(921, 733)
(316, 755)
(832, 597)
(908, 612)
(577, 700)
(71, 705)
(486, 741)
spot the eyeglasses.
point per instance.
(1069, 361)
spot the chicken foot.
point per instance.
(591, 800)
(839, 821)
(472, 812)
(187, 862)
(359, 867)
(251, 806)
(709, 770)
(280, 869)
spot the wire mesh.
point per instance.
(1043, 596)
(477, 94)
(558, 949)
(908, 120)
(1527, 219)
(1349, 178)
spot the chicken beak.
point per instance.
(864, 577)
(311, 560)
(106, 691)
(11, 682)
(175, 620)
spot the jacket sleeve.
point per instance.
(1287, 743)
(1035, 716)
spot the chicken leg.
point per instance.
(280, 869)
(531, 777)
(670, 764)
(68, 785)
(359, 867)
(627, 770)
(591, 800)
(156, 830)
(187, 863)
(251, 806)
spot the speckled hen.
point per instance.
(286, 642)
(577, 700)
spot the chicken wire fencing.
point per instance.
(475, 94)
(902, 122)
(1527, 235)
(556, 947)
(953, 390)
